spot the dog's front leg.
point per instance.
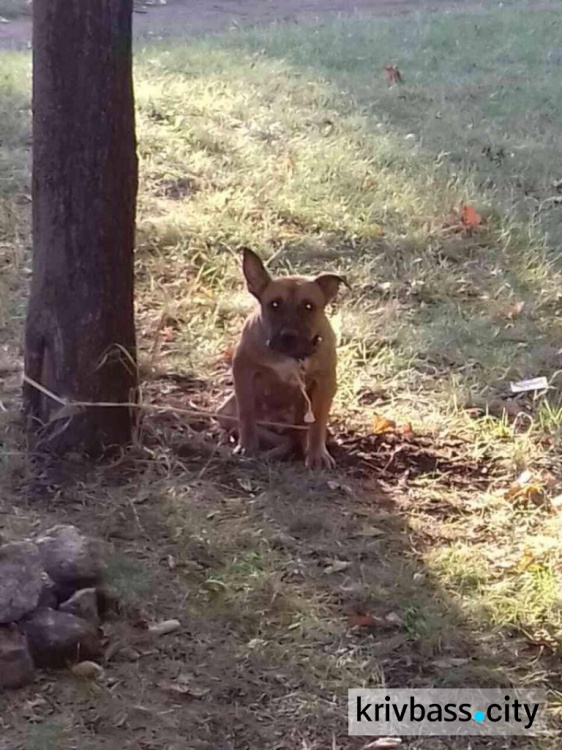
(321, 396)
(244, 388)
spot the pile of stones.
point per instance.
(51, 596)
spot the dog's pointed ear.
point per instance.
(330, 283)
(257, 278)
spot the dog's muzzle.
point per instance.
(292, 345)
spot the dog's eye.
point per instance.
(308, 306)
(275, 304)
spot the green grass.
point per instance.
(14, 8)
(289, 140)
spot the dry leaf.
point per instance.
(448, 662)
(470, 218)
(525, 486)
(164, 627)
(370, 531)
(515, 310)
(383, 743)
(526, 559)
(394, 619)
(363, 621)
(406, 430)
(184, 689)
(381, 425)
(337, 566)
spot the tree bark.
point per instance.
(80, 334)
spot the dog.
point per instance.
(284, 366)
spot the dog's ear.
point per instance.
(257, 278)
(329, 283)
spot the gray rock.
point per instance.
(109, 603)
(48, 596)
(20, 580)
(16, 664)
(84, 604)
(69, 557)
(56, 638)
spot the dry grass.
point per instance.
(290, 141)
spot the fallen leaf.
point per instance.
(370, 531)
(515, 310)
(406, 430)
(447, 663)
(383, 743)
(525, 486)
(470, 218)
(183, 689)
(394, 619)
(363, 621)
(526, 560)
(165, 627)
(337, 566)
(381, 425)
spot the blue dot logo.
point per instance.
(479, 716)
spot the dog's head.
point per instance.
(292, 308)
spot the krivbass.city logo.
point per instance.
(451, 712)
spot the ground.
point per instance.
(431, 555)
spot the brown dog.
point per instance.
(284, 366)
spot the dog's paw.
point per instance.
(247, 450)
(319, 458)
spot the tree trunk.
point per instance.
(80, 336)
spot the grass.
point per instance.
(14, 8)
(289, 140)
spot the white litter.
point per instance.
(534, 384)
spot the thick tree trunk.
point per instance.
(80, 337)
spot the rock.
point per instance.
(84, 604)
(16, 664)
(108, 601)
(69, 557)
(87, 670)
(56, 638)
(20, 580)
(48, 596)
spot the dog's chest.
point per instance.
(281, 392)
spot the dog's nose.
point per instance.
(288, 338)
